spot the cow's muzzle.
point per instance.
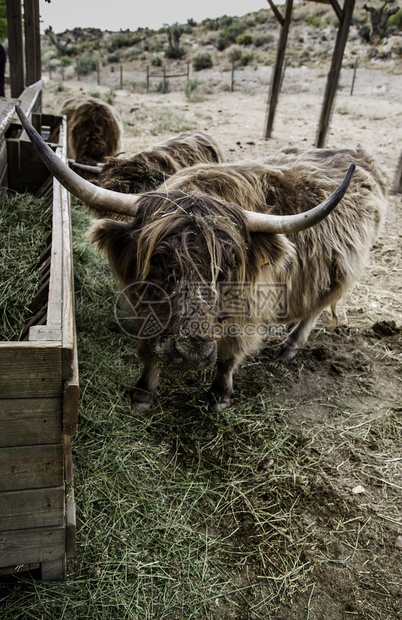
(186, 354)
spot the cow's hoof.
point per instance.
(217, 402)
(286, 351)
(140, 401)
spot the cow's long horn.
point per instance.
(95, 170)
(92, 195)
(262, 222)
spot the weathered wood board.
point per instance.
(39, 374)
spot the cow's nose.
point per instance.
(193, 350)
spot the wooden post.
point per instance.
(121, 77)
(334, 72)
(283, 73)
(354, 76)
(164, 80)
(33, 61)
(98, 72)
(232, 78)
(15, 47)
(188, 72)
(280, 55)
(147, 78)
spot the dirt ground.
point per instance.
(343, 393)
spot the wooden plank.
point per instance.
(7, 109)
(32, 508)
(26, 421)
(54, 570)
(30, 370)
(3, 164)
(71, 526)
(68, 460)
(21, 568)
(31, 100)
(31, 467)
(68, 317)
(13, 164)
(41, 544)
(71, 400)
(15, 46)
(26, 169)
(32, 41)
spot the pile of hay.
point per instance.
(24, 226)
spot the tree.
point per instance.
(59, 44)
(379, 18)
(174, 33)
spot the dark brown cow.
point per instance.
(94, 131)
(222, 251)
(148, 169)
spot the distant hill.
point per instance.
(247, 40)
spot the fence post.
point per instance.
(354, 76)
(121, 77)
(98, 72)
(164, 80)
(188, 72)
(147, 78)
(232, 78)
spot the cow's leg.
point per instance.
(290, 347)
(142, 395)
(222, 386)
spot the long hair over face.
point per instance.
(188, 246)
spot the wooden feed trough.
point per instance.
(39, 374)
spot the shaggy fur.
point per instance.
(192, 237)
(148, 169)
(94, 130)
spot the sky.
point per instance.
(115, 14)
(132, 14)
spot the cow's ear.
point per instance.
(268, 251)
(116, 239)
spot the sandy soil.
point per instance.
(345, 388)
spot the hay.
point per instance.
(24, 227)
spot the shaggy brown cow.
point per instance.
(224, 250)
(148, 169)
(93, 130)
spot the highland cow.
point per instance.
(221, 251)
(94, 130)
(148, 169)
